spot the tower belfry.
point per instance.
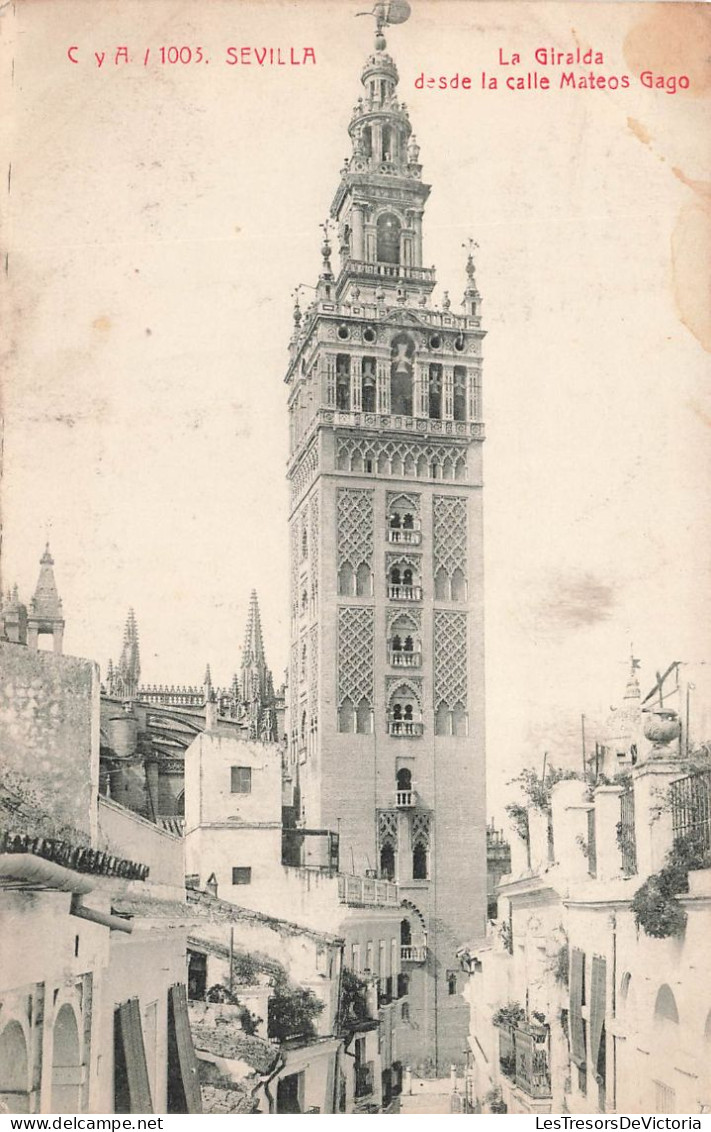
(386, 685)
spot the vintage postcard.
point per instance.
(355, 712)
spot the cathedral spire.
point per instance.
(127, 673)
(45, 614)
(253, 650)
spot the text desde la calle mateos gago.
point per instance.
(553, 70)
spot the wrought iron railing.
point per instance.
(626, 834)
(691, 810)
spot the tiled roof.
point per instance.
(202, 906)
(223, 1039)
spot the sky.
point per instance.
(159, 219)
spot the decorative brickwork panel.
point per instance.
(449, 524)
(304, 473)
(450, 659)
(409, 458)
(355, 528)
(356, 631)
(314, 547)
(313, 676)
(421, 829)
(294, 553)
(387, 828)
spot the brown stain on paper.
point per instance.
(673, 39)
(103, 324)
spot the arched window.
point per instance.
(364, 580)
(387, 862)
(419, 862)
(388, 238)
(435, 392)
(397, 712)
(13, 1068)
(368, 385)
(397, 644)
(346, 717)
(364, 717)
(460, 393)
(404, 779)
(407, 713)
(395, 579)
(409, 644)
(66, 1063)
(405, 933)
(407, 577)
(395, 520)
(408, 522)
(180, 805)
(343, 382)
(402, 355)
(451, 982)
(665, 1010)
(346, 580)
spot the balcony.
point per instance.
(367, 890)
(523, 1058)
(391, 271)
(405, 593)
(401, 534)
(405, 728)
(405, 799)
(413, 953)
(400, 658)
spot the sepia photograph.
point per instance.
(355, 705)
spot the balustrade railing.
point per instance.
(405, 798)
(523, 1058)
(401, 658)
(401, 534)
(405, 593)
(413, 953)
(366, 890)
(404, 727)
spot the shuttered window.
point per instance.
(132, 1091)
(577, 991)
(597, 1012)
(183, 1076)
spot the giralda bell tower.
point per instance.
(387, 651)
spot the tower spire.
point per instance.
(45, 614)
(255, 680)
